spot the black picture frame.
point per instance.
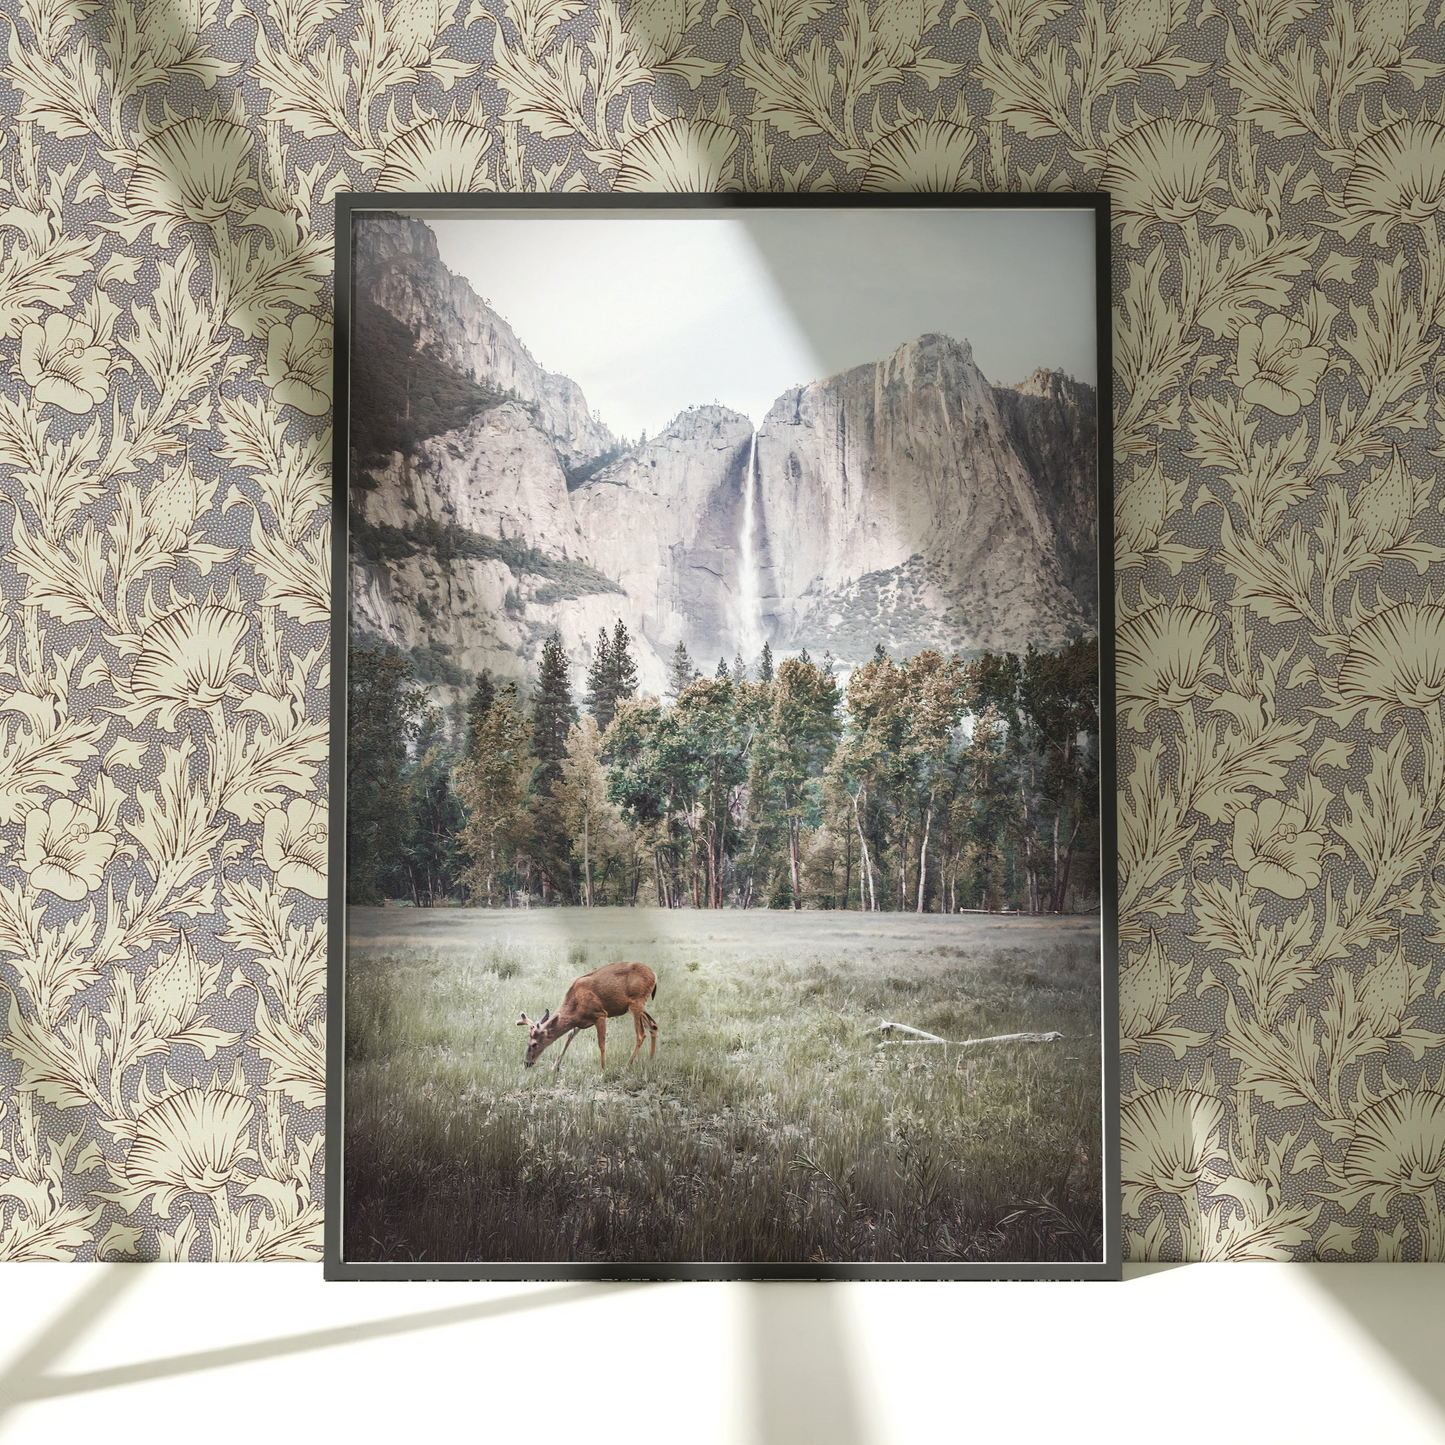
(349, 206)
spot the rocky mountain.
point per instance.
(908, 502)
(1051, 420)
(397, 267)
(467, 553)
(665, 521)
(913, 503)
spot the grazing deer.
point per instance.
(606, 993)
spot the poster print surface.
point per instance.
(725, 884)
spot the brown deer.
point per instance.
(606, 993)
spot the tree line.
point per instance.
(926, 784)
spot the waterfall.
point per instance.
(750, 599)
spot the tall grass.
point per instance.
(770, 1126)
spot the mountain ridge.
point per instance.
(909, 468)
(908, 501)
(401, 263)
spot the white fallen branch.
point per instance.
(888, 1028)
(1011, 1038)
(923, 1037)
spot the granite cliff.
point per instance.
(908, 502)
(665, 522)
(913, 503)
(397, 267)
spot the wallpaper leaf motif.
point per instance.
(1278, 167)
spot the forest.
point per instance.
(922, 784)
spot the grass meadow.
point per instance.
(770, 1126)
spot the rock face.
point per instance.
(484, 551)
(498, 476)
(909, 502)
(666, 519)
(1052, 421)
(397, 266)
(457, 525)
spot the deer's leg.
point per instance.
(652, 1029)
(558, 1065)
(641, 1033)
(602, 1040)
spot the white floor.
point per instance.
(263, 1353)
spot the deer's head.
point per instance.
(538, 1035)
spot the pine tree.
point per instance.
(492, 782)
(433, 865)
(722, 674)
(612, 676)
(624, 669)
(740, 669)
(430, 731)
(601, 700)
(385, 711)
(552, 715)
(679, 673)
(484, 694)
(765, 664)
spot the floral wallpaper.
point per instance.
(1278, 167)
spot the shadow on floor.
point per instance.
(27, 1379)
(803, 1366)
(32, 1364)
(1401, 1307)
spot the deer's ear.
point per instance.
(546, 1014)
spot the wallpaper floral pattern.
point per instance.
(1278, 168)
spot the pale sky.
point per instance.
(650, 314)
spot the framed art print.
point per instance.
(722, 720)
